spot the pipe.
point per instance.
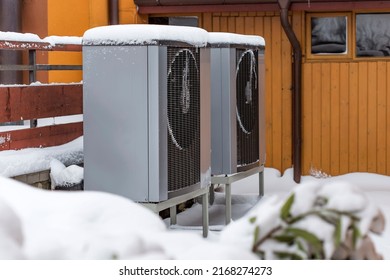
(296, 89)
(113, 12)
(10, 20)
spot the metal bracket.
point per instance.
(172, 202)
(227, 180)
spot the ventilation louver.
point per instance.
(247, 98)
(183, 117)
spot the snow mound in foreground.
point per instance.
(92, 225)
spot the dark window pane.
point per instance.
(328, 35)
(372, 35)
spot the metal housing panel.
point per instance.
(223, 88)
(262, 148)
(229, 126)
(116, 120)
(205, 117)
(157, 110)
(216, 109)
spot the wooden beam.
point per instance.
(40, 137)
(34, 102)
(41, 46)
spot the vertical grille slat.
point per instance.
(183, 117)
(247, 110)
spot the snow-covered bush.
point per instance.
(331, 221)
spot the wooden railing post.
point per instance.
(32, 76)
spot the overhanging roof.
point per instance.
(177, 6)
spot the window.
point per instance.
(354, 35)
(181, 21)
(329, 35)
(372, 35)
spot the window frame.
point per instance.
(350, 50)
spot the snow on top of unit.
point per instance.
(66, 40)
(222, 38)
(19, 37)
(144, 34)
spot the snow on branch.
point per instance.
(330, 221)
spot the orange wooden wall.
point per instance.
(346, 123)
(346, 120)
(70, 18)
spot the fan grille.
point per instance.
(183, 117)
(247, 110)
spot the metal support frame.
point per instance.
(227, 180)
(172, 202)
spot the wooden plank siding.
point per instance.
(346, 123)
(349, 119)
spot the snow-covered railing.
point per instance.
(32, 43)
(36, 100)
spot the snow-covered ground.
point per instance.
(39, 224)
(376, 188)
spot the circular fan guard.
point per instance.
(183, 114)
(246, 83)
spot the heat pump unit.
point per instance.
(237, 89)
(146, 111)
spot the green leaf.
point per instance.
(285, 210)
(289, 239)
(252, 220)
(311, 239)
(256, 235)
(337, 234)
(301, 247)
(329, 217)
(355, 235)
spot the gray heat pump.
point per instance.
(237, 89)
(146, 111)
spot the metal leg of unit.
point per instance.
(261, 184)
(172, 214)
(228, 202)
(212, 194)
(205, 214)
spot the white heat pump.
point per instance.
(237, 90)
(146, 111)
